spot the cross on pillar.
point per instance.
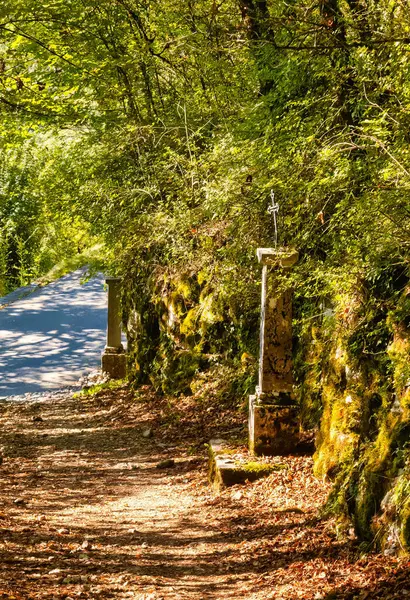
(273, 415)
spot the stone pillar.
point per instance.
(114, 360)
(273, 414)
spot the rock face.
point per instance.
(355, 373)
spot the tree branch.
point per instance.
(31, 38)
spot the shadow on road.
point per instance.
(51, 338)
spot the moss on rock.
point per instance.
(363, 389)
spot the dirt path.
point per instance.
(86, 513)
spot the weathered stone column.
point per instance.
(273, 414)
(114, 359)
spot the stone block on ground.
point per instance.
(273, 429)
(114, 364)
(227, 467)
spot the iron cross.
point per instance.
(273, 209)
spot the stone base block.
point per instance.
(115, 364)
(227, 468)
(273, 429)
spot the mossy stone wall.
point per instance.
(353, 369)
(179, 327)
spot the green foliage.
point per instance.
(259, 468)
(95, 389)
(38, 226)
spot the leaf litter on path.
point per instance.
(99, 520)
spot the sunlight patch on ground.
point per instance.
(53, 337)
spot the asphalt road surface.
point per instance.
(53, 336)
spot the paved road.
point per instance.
(52, 337)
